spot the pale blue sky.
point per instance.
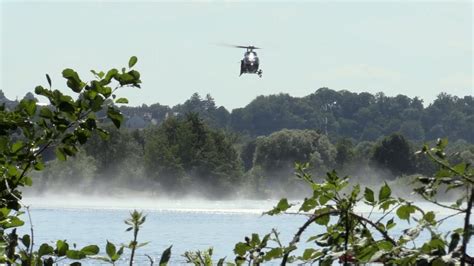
(416, 49)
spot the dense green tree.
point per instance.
(214, 116)
(412, 130)
(345, 152)
(247, 154)
(111, 155)
(267, 114)
(360, 116)
(184, 151)
(394, 153)
(282, 149)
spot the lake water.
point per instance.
(187, 224)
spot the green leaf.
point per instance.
(126, 79)
(308, 253)
(115, 115)
(29, 106)
(325, 197)
(104, 134)
(367, 253)
(133, 60)
(437, 243)
(326, 262)
(45, 249)
(386, 204)
(283, 205)
(273, 254)
(108, 77)
(369, 195)
(308, 204)
(323, 220)
(60, 154)
(117, 255)
(110, 249)
(221, 262)
(48, 79)
(13, 221)
(165, 257)
(75, 254)
(17, 146)
(135, 74)
(26, 240)
(38, 165)
(121, 100)
(45, 112)
(61, 248)
(66, 107)
(460, 168)
(3, 143)
(384, 192)
(385, 245)
(429, 217)
(455, 238)
(27, 181)
(99, 75)
(106, 91)
(255, 240)
(443, 172)
(241, 248)
(404, 212)
(90, 250)
(73, 80)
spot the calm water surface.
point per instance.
(187, 225)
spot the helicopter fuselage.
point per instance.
(250, 63)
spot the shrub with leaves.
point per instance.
(201, 258)
(351, 238)
(29, 130)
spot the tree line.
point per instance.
(184, 155)
(198, 146)
(338, 114)
(30, 134)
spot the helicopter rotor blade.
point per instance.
(240, 46)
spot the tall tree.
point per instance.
(395, 154)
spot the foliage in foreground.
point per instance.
(28, 131)
(349, 237)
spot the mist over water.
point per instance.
(187, 224)
(186, 204)
(136, 189)
(150, 203)
(92, 211)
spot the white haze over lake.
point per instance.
(187, 204)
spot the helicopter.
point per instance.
(250, 63)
